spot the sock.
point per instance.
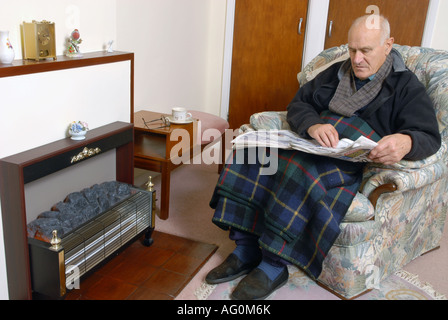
(272, 271)
(247, 254)
(247, 248)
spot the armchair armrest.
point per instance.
(407, 165)
(378, 191)
(404, 175)
(269, 120)
(266, 120)
(393, 179)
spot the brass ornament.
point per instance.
(85, 153)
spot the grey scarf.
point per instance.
(346, 101)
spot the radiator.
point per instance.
(59, 265)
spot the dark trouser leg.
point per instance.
(247, 248)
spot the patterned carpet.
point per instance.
(399, 286)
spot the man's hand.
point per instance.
(391, 149)
(325, 134)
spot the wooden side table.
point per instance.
(153, 149)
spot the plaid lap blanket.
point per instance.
(297, 211)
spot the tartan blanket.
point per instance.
(296, 211)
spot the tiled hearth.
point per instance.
(159, 272)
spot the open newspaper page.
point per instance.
(356, 151)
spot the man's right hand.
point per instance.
(325, 134)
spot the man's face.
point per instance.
(367, 53)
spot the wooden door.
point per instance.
(267, 55)
(406, 17)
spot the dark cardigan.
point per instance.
(402, 106)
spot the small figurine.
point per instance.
(109, 46)
(74, 42)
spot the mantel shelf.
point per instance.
(22, 67)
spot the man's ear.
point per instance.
(388, 44)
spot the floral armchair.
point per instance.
(399, 213)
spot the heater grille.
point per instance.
(93, 242)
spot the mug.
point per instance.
(180, 114)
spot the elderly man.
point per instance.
(293, 216)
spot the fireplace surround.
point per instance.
(28, 166)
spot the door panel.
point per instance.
(406, 17)
(267, 55)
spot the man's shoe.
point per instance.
(230, 269)
(257, 286)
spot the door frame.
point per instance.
(317, 24)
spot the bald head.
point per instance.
(373, 22)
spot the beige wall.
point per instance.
(178, 49)
(439, 39)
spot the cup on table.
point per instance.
(180, 114)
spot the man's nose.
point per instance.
(358, 57)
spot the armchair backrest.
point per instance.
(429, 65)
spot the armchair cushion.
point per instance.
(353, 234)
(360, 210)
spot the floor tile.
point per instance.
(109, 288)
(166, 282)
(135, 273)
(143, 293)
(183, 264)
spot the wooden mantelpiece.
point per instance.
(20, 67)
(24, 167)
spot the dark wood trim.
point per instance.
(125, 163)
(132, 89)
(14, 173)
(22, 67)
(324, 286)
(375, 194)
(14, 233)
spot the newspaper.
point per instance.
(355, 151)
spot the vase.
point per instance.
(6, 49)
(81, 135)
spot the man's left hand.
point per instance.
(391, 149)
